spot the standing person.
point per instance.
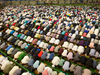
(11, 2)
(28, 2)
(58, 1)
(76, 1)
(44, 1)
(92, 1)
(20, 1)
(64, 1)
(87, 1)
(81, 1)
(70, 1)
(51, 1)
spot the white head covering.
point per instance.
(26, 73)
(25, 60)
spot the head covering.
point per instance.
(21, 56)
(78, 70)
(72, 67)
(44, 55)
(47, 71)
(30, 63)
(17, 54)
(70, 55)
(26, 73)
(80, 49)
(17, 72)
(36, 64)
(86, 71)
(25, 60)
(54, 73)
(51, 56)
(64, 53)
(65, 44)
(41, 68)
(13, 70)
(61, 62)
(66, 66)
(8, 68)
(61, 73)
(55, 61)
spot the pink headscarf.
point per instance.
(45, 72)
